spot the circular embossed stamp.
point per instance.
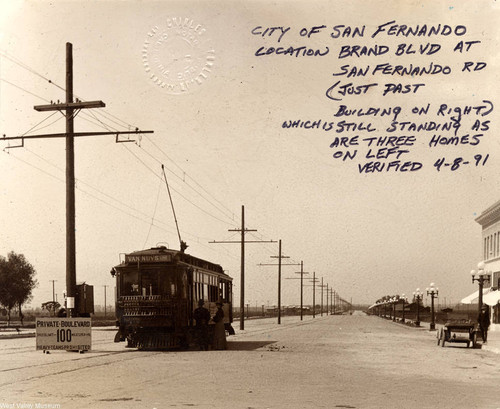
(177, 55)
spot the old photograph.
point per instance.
(249, 204)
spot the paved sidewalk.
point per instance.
(493, 343)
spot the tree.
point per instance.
(17, 281)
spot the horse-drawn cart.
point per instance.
(464, 331)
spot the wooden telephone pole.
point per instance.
(243, 230)
(71, 109)
(301, 272)
(280, 256)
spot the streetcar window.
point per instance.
(168, 285)
(130, 283)
(213, 294)
(223, 291)
(149, 283)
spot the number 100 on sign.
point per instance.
(70, 334)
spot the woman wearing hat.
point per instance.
(220, 330)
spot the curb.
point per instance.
(14, 336)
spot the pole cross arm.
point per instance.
(70, 105)
(278, 264)
(246, 241)
(75, 134)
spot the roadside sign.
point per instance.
(69, 334)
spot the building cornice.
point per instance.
(489, 216)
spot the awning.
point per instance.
(492, 298)
(474, 296)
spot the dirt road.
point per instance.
(329, 362)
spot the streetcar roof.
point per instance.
(163, 254)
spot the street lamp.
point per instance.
(394, 302)
(480, 276)
(403, 300)
(417, 296)
(433, 292)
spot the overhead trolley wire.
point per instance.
(154, 214)
(28, 68)
(126, 124)
(201, 187)
(90, 194)
(100, 123)
(23, 89)
(94, 188)
(180, 194)
(187, 184)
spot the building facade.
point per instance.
(490, 235)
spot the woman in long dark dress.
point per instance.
(219, 330)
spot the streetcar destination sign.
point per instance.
(148, 258)
(69, 334)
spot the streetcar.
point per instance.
(157, 291)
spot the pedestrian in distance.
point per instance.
(219, 331)
(202, 317)
(484, 322)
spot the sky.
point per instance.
(217, 92)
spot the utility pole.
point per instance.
(53, 290)
(280, 256)
(53, 296)
(322, 296)
(314, 293)
(71, 109)
(105, 286)
(334, 302)
(327, 310)
(301, 272)
(243, 230)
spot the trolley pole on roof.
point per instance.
(71, 109)
(243, 230)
